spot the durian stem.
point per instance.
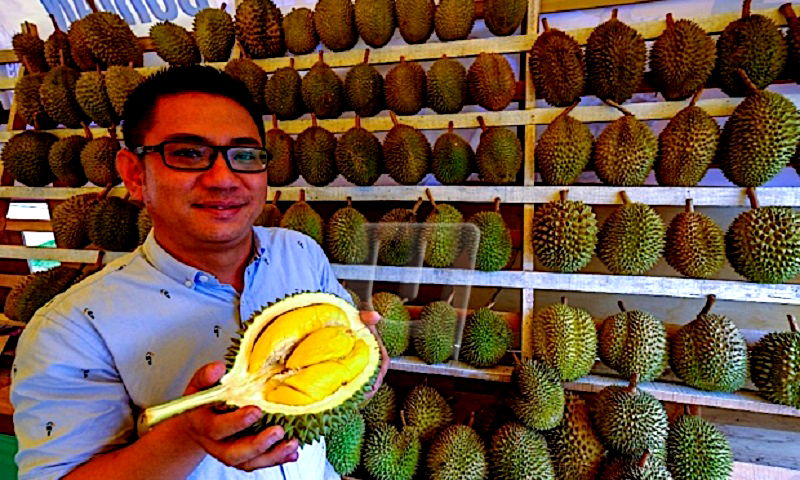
(621, 306)
(403, 418)
(564, 301)
(696, 97)
(689, 205)
(429, 194)
(57, 29)
(104, 193)
(321, 55)
(751, 87)
(643, 460)
(155, 415)
(707, 307)
(450, 126)
(313, 120)
(87, 132)
(101, 254)
(787, 11)
(36, 125)
(493, 300)
(276, 197)
(302, 195)
(567, 110)
(366, 56)
(619, 107)
(496, 204)
(482, 122)
(349, 201)
(291, 65)
(112, 132)
(545, 25)
(792, 323)
(751, 194)
(419, 203)
(563, 194)
(670, 21)
(393, 116)
(92, 6)
(61, 57)
(358, 121)
(275, 122)
(223, 6)
(631, 388)
(625, 198)
(471, 421)
(746, 8)
(614, 13)
(451, 296)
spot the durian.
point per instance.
(398, 236)
(112, 224)
(347, 238)
(390, 454)
(98, 159)
(359, 156)
(406, 153)
(381, 408)
(775, 366)
(458, 453)
(363, 88)
(503, 17)
(92, 97)
(258, 28)
(564, 149)
(615, 60)
(435, 333)
(57, 49)
(110, 39)
(697, 450)
(35, 290)
(253, 77)
(443, 234)
(283, 93)
(415, 19)
(625, 151)
(538, 398)
(375, 20)
(299, 31)
(494, 246)
(315, 154)
(335, 23)
(454, 19)
(486, 338)
(343, 443)
(25, 157)
(29, 102)
(58, 97)
(499, 155)
(69, 220)
(302, 218)
(394, 327)
(682, 59)
(29, 49)
(631, 239)
(322, 90)
(575, 449)
(519, 453)
(405, 88)
(270, 215)
(564, 338)
(447, 85)
(491, 81)
(452, 159)
(174, 44)
(646, 467)
(282, 168)
(426, 412)
(564, 234)
(64, 159)
(634, 341)
(215, 33)
(120, 82)
(557, 67)
(695, 244)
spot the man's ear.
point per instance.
(131, 169)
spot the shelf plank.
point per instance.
(453, 369)
(56, 254)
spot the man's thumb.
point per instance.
(205, 376)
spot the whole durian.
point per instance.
(29, 49)
(626, 467)
(486, 338)
(625, 151)
(454, 19)
(447, 86)
(557, 67)
(564, 234)
(57, 47)
(299, 31)
(615, 60)
(282, 93)
(564, 338)
(381, 408)
(91, 95)
(453, 159)
(398, 236)
(576, 451)
(112, 224)
(253, 77)
(458, 453)
(174, 44)
(499, 155)
(494, 246)
(375, 21)
(405, 88)
(538, 397)
(304, 219)
(347, 237)
(322, 91)
(774, 366)
(491, 81)
(394, 327)
(631, 239)
(315, 154)
(258, 28)
(110, 39)
(25, 157)
(426, 412)
(519, 453)
(270, 215)
(65, 160)
(564, 149)
(79, 47)
(69, 221)
(697, 450)
(709, 352)
(503, 17)
(36, 289)
(344, 441)
(282, 167)
(752, 43)
(435, 333)
(359, 156)
(442, 235)
(335, 23)
(415, 19)
(695, 244)
(120, 82)
(792, 41)
(29, 102)
(57, 94)
(363, 88)
(390, 454)
(98, 159)
(682, 59)
(214, 33)
(634, 341)
(406, 153)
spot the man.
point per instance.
(138, 332)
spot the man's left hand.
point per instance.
(370, 318)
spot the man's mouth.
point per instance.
(219, 206)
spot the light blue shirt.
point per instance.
(132, 336)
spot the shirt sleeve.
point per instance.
(69, 401)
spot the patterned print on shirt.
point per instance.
(148, 357)
(49, 428)
(88, 313)
(165, 293)
(216, 330)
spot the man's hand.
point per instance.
(370, 318)
(212, 431)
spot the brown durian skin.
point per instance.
(682, 59)
(491, 81)
(695, 245)
(615, 60)
(335, 23)
(686, 148)
(625, 152)
(282, 168)
(415, 19)
(558, 68)
(406, 87)
(258, 28)
(299, 32)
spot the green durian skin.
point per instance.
(347, 237)
(56, 44)
(405, 88)
(381, 408)
(452, 159)
(557, 68)
(253, 77)
(397, 236)
(322, 91)
(215, 34)
(629, 422)
(282, 94)
(575, 448)
(458, 453)
(120, 82)
(394, 327)
(686, 148)
(486, 338)
(69, 221)
(454, 19)
(631, 240)
(335, 23)
(174, 44)
(564, 151)
(65, 160)
(629, 468)
(775, 367)
(499, 156)
(443, 236)
(375, 21)
(503, 17)
(363, 89)
(299, 31)
(494, 247)
(518, 453)
(25, 156)
(564, 338)
(426, 412)
(435, 334)
(302, 218)
(625, 152)
(634, 342)
(343, 443)
(447, 86)
(391, 455)
(415, 19)
(315, 154)
(697, 450)
(695, 245)
(359, 157)
(29, 102)
(615, 60)
(763, 244)
(112, 225)
(538, 400)
(564, 235)
(91, 95)
(710, 353)
(58, 97)
(682, 59)
(111, 40)
(406, 154)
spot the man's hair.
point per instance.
(139, 107)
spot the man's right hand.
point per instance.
(212, 431)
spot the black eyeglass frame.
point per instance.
(216, 150)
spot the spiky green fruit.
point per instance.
(29, 48)
(695, 245)
(443, 235)
(575, 449)
(632, 468)
(69, 221)
(452, 160)
(625, 152)
(57, 94)
(458, 453)
(65, 160)
(447, 86)
(391, 455)
(503, 17)
(375, 20)
(491, 81)
(634, 342)
(686, 148)
(112, 225)
(215, 34)
(629, 420)
(519, 453)
(347, 237)
(282, 94)
(57, 47)
(775, 366)
(394, 326)
(397, 236)
(253, 77)
(258, 28)
(91, 95)
(334, 21)
(631, 239)
(759, 138)
(270, 216)
(111, 40)
(79, 48)
(557, 68)
(415, 19)
(564, 338)
(282, 168)
(763, 244)
(304, 219)
(753, 43)
(406, 154)
(174, 44)
(35, 290)
(98, 159)
(359, 156)
(710, 353)
(120, 82)
(25, 156)
(563, 151)
(356, 300)
(499, 156)
(435, 334)
(299, 31)
(315, 153)
(697, 450)
(538, 400)
(494, 247)
(343, 443)
(454, 19)
(564, 235)
(615, 60)
(486, 338)
(405, 88)
(682, 59)
(29, 102)
(322, 91)
(363, 89)
(381, 408)
(426, 412)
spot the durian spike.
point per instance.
(302, 195)
(366, 56)
(104, 193)
(670, 21)
(643, 460)
(787, 11)
(625, 198)
(430, 197)
(751, 195)
(493, 300)
(751, 87)
(567, 110)
(392, 115)
(350, 201)
(614, 13)
(621, 306)
(545, 25)
(631, 388)
(564, 301)
(496, 204)
(619, 107)
(707, 307)
(792, 323)
(276, 197)
(689, 205)
(450, 126)
(482, 123)
(87, 132)
(562, 195)
(416, 206)
(746, 8)
(313, 120)
(696, 97)
(92, 6)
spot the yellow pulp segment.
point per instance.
(325, 344)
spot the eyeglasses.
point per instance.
(196, 157)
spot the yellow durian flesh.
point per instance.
(324, 344)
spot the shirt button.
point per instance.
(188, 283)
(203, 278)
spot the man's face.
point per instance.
(212, 209)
